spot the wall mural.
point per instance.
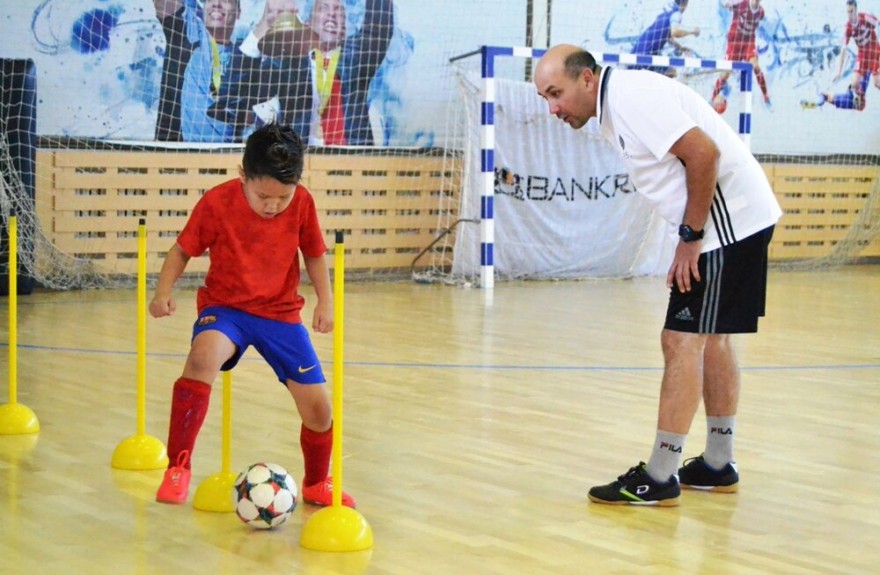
(375, 72)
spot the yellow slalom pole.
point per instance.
(337, 528)
(141, 451)
(214, 493)
(338, 339)
(15, 418)
(13, 310)
(226, 443)
(142, 329)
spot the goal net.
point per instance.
(542, 201)
(135, 110)
(810, 112)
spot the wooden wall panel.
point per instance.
(90, 202)
(820, 205)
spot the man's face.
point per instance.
(220, 17)
(852, 13)
(328, 22)
(570, 99)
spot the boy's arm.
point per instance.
(316, 268)
(172, 268)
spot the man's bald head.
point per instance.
(567, 77)
(570, 58)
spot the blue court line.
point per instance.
(463, 365)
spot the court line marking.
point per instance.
(409, 365)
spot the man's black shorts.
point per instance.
(731, 293)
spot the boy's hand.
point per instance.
(162, 306)
(322, 320)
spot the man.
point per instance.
(861, 27)
(747, 14)
(196, 68)
(699, 176)
(322, 91)
(666, 28)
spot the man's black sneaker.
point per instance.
(697, 474)
(636, 487)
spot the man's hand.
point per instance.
(271, 10)
(684, 266)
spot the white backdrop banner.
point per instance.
(564, 204)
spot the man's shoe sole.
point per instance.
(671, 502)
(713, 488)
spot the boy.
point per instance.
(254, 227)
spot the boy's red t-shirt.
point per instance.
(254, 261)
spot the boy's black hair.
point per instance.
(274, 151)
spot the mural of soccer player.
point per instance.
(197, 63)
(747, 14)
(861, 27)
(322, 90)
(666, 29)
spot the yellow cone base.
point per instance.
(215, 493)
(17, 419)
(140, 452)
(15, 447)
(337, 528)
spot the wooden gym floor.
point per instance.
(472, 431)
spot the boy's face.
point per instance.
(267, 196)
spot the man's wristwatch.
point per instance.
(689, 234)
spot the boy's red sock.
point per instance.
(316, 447)
(189, 404)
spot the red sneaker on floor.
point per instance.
(322, 494)
(175, 484)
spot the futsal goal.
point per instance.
(542, 201)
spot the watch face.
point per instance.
(687, 233)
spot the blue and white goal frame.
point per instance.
(487, 125)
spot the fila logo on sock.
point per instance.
(721, 431)
(670, 447)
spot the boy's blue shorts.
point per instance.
(286, 347)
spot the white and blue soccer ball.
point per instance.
(265, 495)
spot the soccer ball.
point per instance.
(265, 495)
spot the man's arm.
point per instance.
(676, 30)
(370, 44)
(699, 154)
(166, 7)
(842, 59)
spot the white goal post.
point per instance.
(488, 178)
